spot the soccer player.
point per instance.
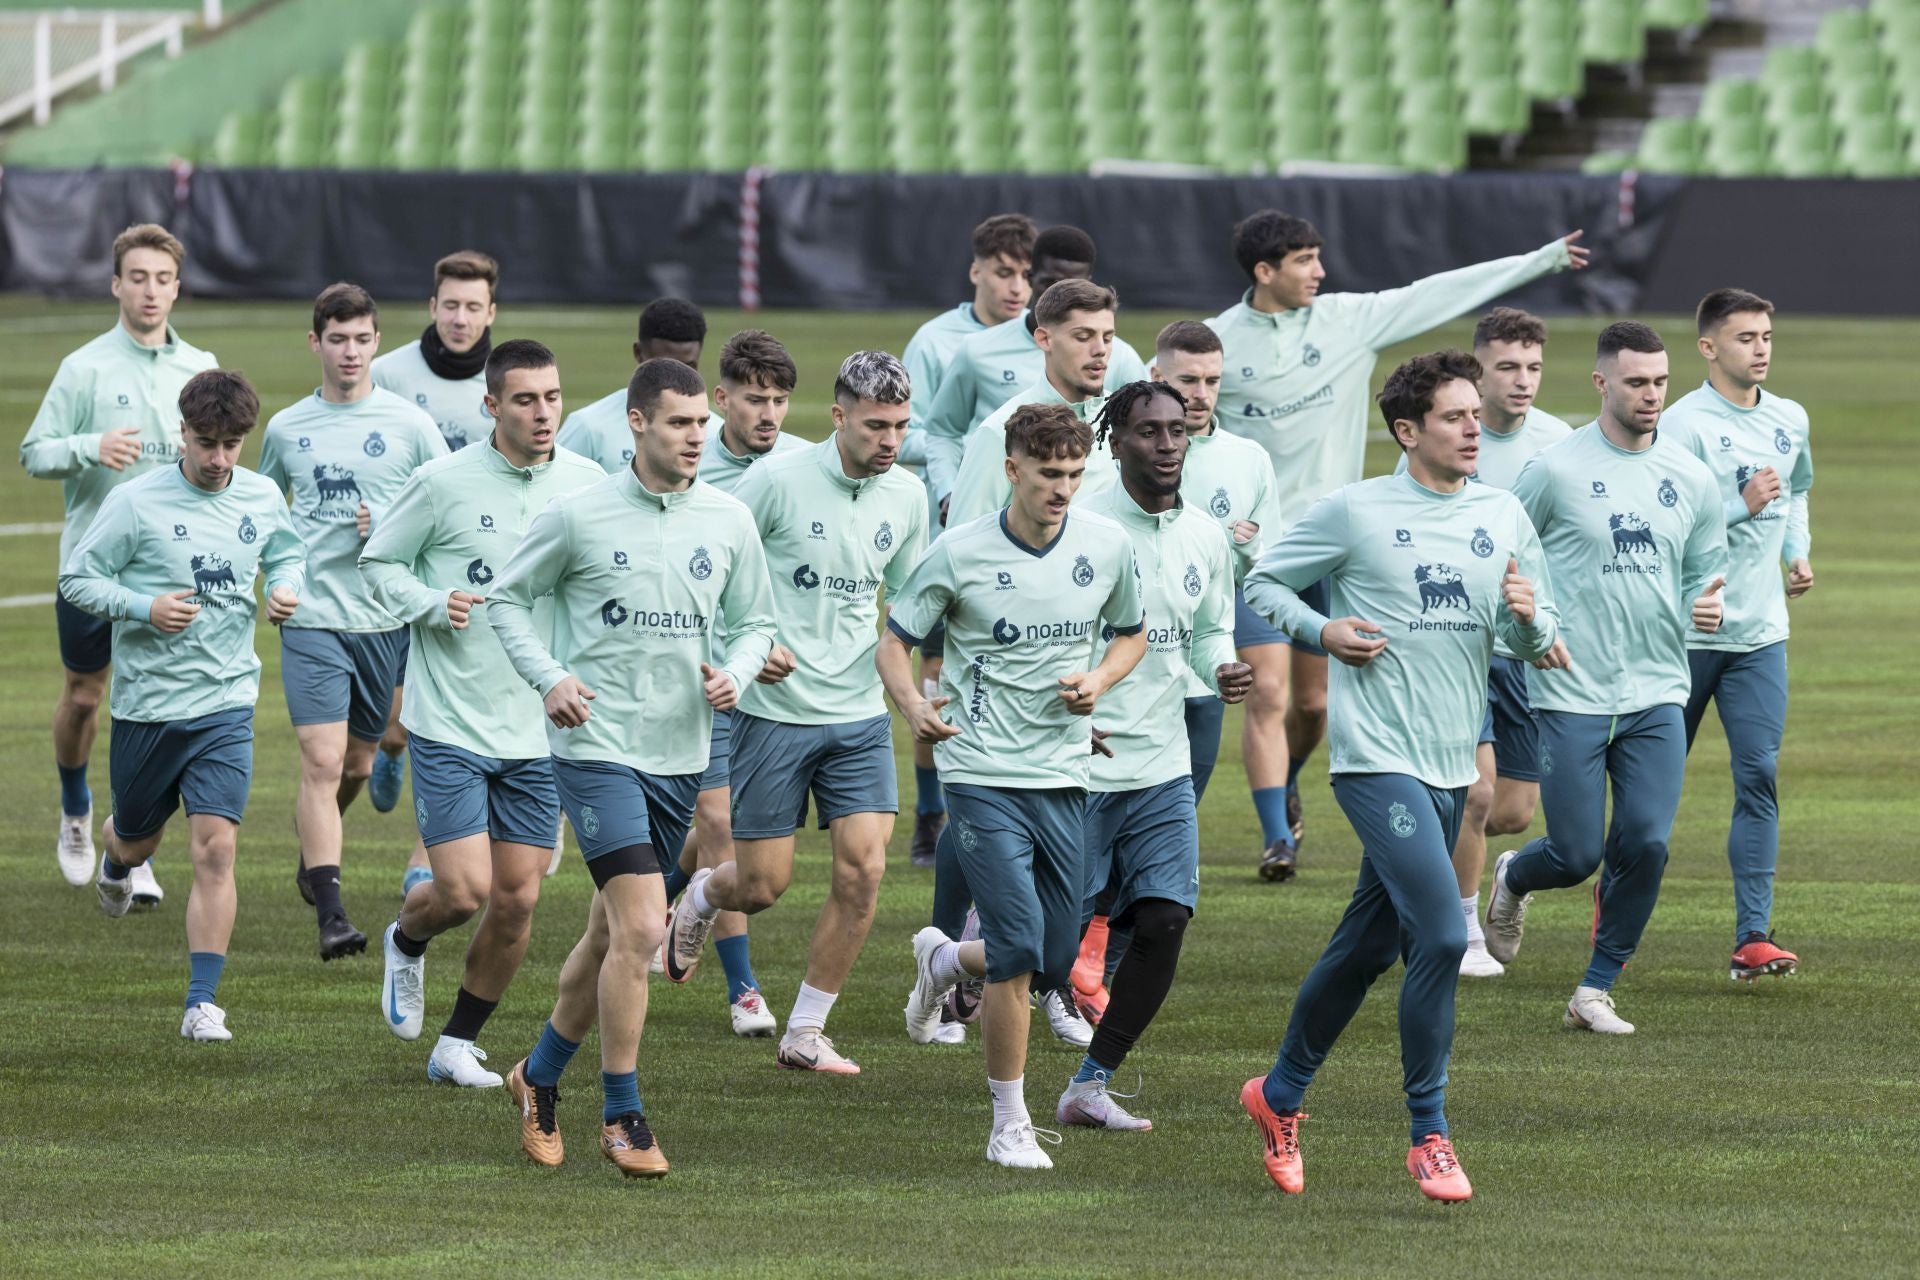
(1025, 592)
(483, 791)
(169, 560)
(1757, 446)
(1424, 570)
(638, 565)
(110, 415)
(1637, 543)
(1296, 372)
(838, 520)
(342, 454)
(670, 329)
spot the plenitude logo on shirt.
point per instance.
(214, 582)
(1631, 536)
(1442, 588)
(336, 493)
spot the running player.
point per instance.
(1297, 366)
(160, 553)
(1025, 592)
(1424, 570)
(670, 329)
(111, 414)
(1750, 440)
(483, 791)
(638, 565)
(1637, 542)
(838, 520)
(342, 454)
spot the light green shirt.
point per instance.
(1018, 619)
(160, 534)
(831, 543)
(1231, 479)
(1296, 382)
(459, 408)
(1186, 588)
(1734, 443)
(1428, 568)
(930, 349)
(1632, 539)
(600, 431)
(111, 382)
(982, 486)
(637, 579)
(331, 458)
(722, 468)
(451, 529)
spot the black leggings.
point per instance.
(1141, 983)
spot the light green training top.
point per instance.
(600, 432)
(1632, 539)
(931, 349)
(111, 382)
(1018, 619)
(1296, 381)
(1231, 479)
(831, 542)
(1734, 443)
(1428, 568)
(1186, 588)
(637, 579)
(331, 458)
(722, 468)
(458, 408)
(160, 534)
(982, 486)
(451, 529)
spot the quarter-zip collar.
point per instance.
(826, 455)
(1132, 513)
(641, 496)
(497, 463)
(166, 348)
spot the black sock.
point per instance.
(1141, 983)
(470, 1013)
(415, 947)
(325, 883)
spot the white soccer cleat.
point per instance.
(806, 1049)
(659, 962)
(923, 1002)
(458, 1062)
(1069, 1027)
(75, 849)
(687, 931)
(115, 895)
(1089, 1105)
(403, 993)
(1017, 1146)
(751, 1017)
(1478, 962)
(205, 1021)
(1592, 1010)
(950, 1033)
(1506, 913)
(146, 890)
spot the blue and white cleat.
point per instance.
(457, 1062)
(403, 992)
(389, 772)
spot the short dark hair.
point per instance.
(1408, 394)
(466, 264)
(219, 402)
(1008, 235)
(1047, 431)
(1510, 324)
(673, 320)
(516, 353)
(1269, 235)
(872, 375)
(1627, 335)
(147, 235)
(1113, 414)
(1068, 244)
(343, 302)
(1721, 303)
(1192, 337)
(754, 355)
(656, 377)
(1068, 296)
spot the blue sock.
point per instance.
(76, 799)
(1293, 772)
(1271, 804)
(1282, 1095)
(414, 876)
(550, 1057)
(113, 870)
(926, 781)
(622, 1089)
(1427, 1117)
(676, 880)
(203, 976)
(1090, 1070)
(733, 958)
(1602, 972)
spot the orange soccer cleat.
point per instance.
(1281, 1134)
(1437, 1170)
(1758, 957)
(1090, 971)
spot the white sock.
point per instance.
(698, 893)
(946, 966)
(1009, 1102)
(929, 689)
(810, 1009)
(1470, 907)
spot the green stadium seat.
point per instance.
(1803, 147)
(1872, 148)
(1677, 15)
(1792, 99)
(1234, 139)
(605, 143)
(1612, 31)
(1485, 25)
(1045, 151)
(1605, 162)
(1360, 100)
(1906, 105)
(1432, 98)
(980, 145)
(480, 145)
(1408, 59)
(1854, 60)
(1308, 95)
(300, 141)
(1302, 137)
(1730, 97)
(1898, 25)
(1860, 99)
(1352, 22)
(918, 146)
(1735, 162)
(1436, 144)
(1670, 144)
(1111, 136)
(1367, 140)
(1790, 62)
(431, 33)
(1483, 62)
(1552, 70)
(1359, 61)
(1496, 107)
(1842, 28)
(1546, 19)
(663, 144)
(1172, 138)
(241, 141)
(852, 145)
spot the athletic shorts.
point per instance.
(719, 753)
(848, 768)
(1516, 734)
(616, 806)
(205, 763)
(1146, 843)
(86, 642)
(1251, 630)
(457, 793)
(1021, 853)
(406, 648)
(330, 676)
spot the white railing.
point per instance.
(71, 47)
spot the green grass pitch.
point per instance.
(1760, 1132)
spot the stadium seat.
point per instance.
(1792, 99)
(1496, 107)
(980, 145)
(1367, 140)
(1678, 15)
(1612, 31)
(1729, 97)
(241, 141)
(1431, 99)
(1603, 162)
(1111, 136)
(1842, 28)
(1871, 148)
(1363, 100)
(1853, 60)
(1552, 70)
(1860, 99)
(303, 114)
(1436, 144)
(1790, 62)
(1803, 147)
(1548, 19)
(1670, 144)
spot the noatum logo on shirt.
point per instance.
(615, 614)
(1009, 632)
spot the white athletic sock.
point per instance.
(1009, 1102)
(698, 893)
(1470, 907)
(929, 689)
(810, 1009)
(946, 966)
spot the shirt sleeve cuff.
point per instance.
(1133, 630)
(911, 640)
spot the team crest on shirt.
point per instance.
(701, 566)
(1441, 587)
(375, 446)
(1546, 761)
(1309, 355)
(1668, 494)
(248, 531)
(1782, 442)
(589, 822)
(1192, 581)
(1401, 821)
(1631, 534)
(613, 613)
(1006, 632)
(1222, 505)
(479, 574)
(1082, 572)
(1482, 543)
(884, 538)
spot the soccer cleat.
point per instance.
(403, 993)
(455, 1061)
(1591, 1009)
(1017, 1146)
(1506, 913)
(75, 849)
(383, 786)
(1087, 1103)
(1759, 957)
(205, 1021)
(686, 932)
(1437, 1170)
(1279, 1134)
(1089, 973)
(339, 938)
(949, 1032)
(539, 1128)
(115, 895)
(924, 1001)
(146, 890)
(1277, 863)
(926, 837)
(630, 1144)
(659, 962)
(414, 876)
(807, 1049)
(1068, 1026)
(751, 1017)
(1477, 962)
(1296, 820)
